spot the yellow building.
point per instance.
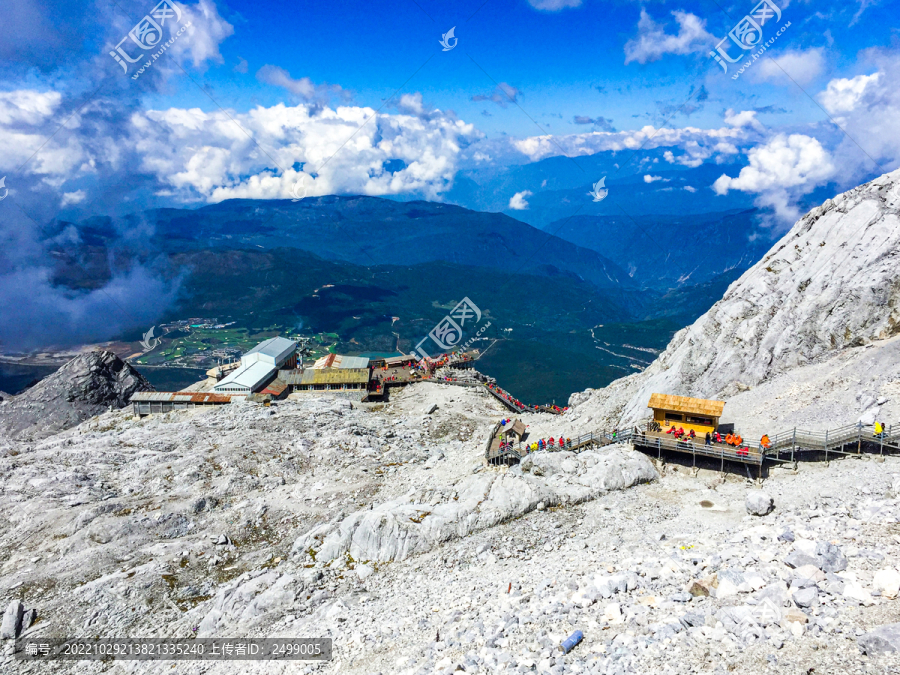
(699, 414)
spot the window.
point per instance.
(675, 416)
(705, 421)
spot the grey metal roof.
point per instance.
(353, 362)
(276, 347)
(250, 376)
(176, 397)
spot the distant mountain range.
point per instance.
(669, 251)
(593, 299)
(369, 231)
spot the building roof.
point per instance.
(249, 376)
(517, 428)
(341, 361)
(686, 404)
(178, 397)
(276, 347)
(326, 376)
(398, 360)
(276, 387)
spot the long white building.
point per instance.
(259, 366)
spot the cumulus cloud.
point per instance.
(867, 107)
(519, 202)
(801, 66)
(744, 118)
(844, 95)
(696, 145)
(503, 95)
(652, 179)
(779, 170)
(690, 188)
(27, 106)
(68, 144)
(652, 41)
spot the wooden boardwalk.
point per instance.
(791, 446)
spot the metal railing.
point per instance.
(788, 443)
(834, 440)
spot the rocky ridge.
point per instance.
(85, 386)
(828, 285)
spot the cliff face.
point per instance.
(87, 385)
(829, 284)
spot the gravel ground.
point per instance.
(187, 523)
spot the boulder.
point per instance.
(759, 503)
(698, 589)
(882, 640)
(805, 597)
(887, 582)
(830, 558)
(794, 615)
(797, 559)
(11, 626)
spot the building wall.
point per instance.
(699, 428)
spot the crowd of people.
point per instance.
(731, 439)
(506, 396)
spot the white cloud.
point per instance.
(744, 118)
(554, 5)
(411, 104)
(651, 179)
(518, 202)
(801, 66)
(27, 106)
(698, 144)
(208, 30)
(652, 41)
(304, 88)
(779, 170)
(843, 95)
(195, 155)
(76, 197)
(867, 108)
(690, 188)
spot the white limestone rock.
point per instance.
(759, 503)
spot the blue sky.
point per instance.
(556, 59)
(255, 99)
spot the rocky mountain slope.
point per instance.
(381, 529)
(87, 385)
(830, 284)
